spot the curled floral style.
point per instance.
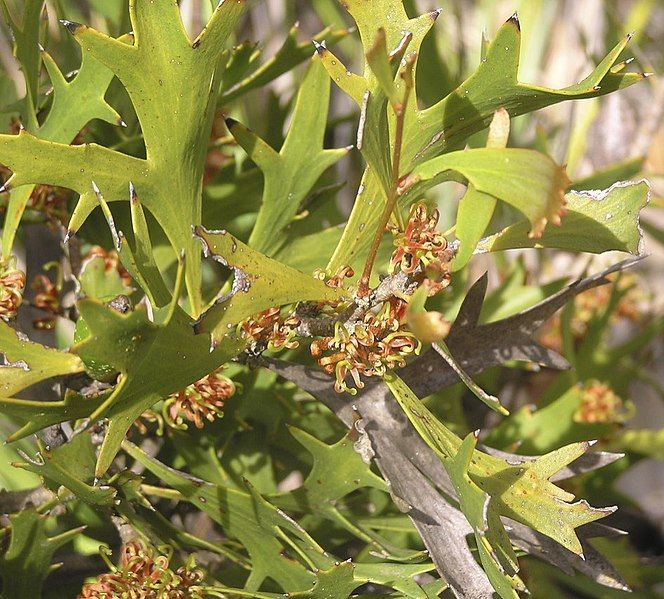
(366, 348)
(145, 574)
(270, 329)
(12, 284)
(202, 400)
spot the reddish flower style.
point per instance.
(12, 284)
(47, 299)
(144, 574)
(422, 246)
(269, 327)
(202, 400)
(368, 348)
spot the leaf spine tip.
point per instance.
(71, 26)
(230, 122)
(434, 14)
(321, 48)
(514, 19)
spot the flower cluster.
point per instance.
(269, 329)
(111, 262)
(600, 405)
(201, 400)
(12, 284)
(47, 299)
(144, 574)
(421, 246)
(367, 347)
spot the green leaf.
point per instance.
(26, 50)
(596, 222)
(336, 583)
(27, 561)
(528, 180)
(400, 577)
(173, 85)
(522, 492)
(473, 217)
(260, 283)
(37, 415)
(493, 545)
(29, 363)
(264, 531)
(291, 173)
(139, 262)
(338, 469)
(86, 91)
(70, 465)
(154, 360)
(495, 84)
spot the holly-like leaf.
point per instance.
(337, 471)
(27, 363)
(27, 561)
(37, 415)
(521, 492)
(291, 173)
(173, 84)
(596, 222)
(260, 283)
(86, 90)
(70, 465)
(154, 360)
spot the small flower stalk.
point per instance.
(200, 401)
(12, 285)
(145, 574)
